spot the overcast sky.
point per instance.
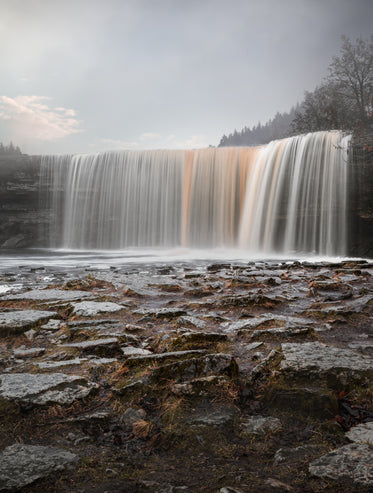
(92, 75)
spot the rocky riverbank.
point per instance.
(187, 377)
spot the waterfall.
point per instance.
(287, 197)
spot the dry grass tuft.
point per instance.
(142, 429)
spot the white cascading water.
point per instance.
(286, 197)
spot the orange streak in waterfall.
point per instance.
(188, 176)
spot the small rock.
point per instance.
(30, 334)
(362, 433)
(132, 416)
(295, 453)
(134, 351)
(277, 485)
(229, 489)
(253, 345)
(52, 325)
(28, 353)
(260, 425)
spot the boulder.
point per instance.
(351, 462)
(316, 361)
(21, 465)
(20, 320)
(44, 389)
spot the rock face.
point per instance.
(20, 212)
(21, 465)
(19, 321)
(44, 389)
(351, 462)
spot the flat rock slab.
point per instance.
(44, 389)
(109, 344)
(242, 326)
(351, 462)
(314, 359)
(21, 320)
(161, 313)
(76, 361)
(281, 332)
(50, 295)
(21, 465)
(93, 308)
(362, 433)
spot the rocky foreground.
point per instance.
(222, 378)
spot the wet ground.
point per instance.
(189, 374)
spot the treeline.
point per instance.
(343, 101)
(9, 150)
(277, 128)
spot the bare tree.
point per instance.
(352, 74)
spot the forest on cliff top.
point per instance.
(343, 100)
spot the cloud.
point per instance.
(31, 117)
